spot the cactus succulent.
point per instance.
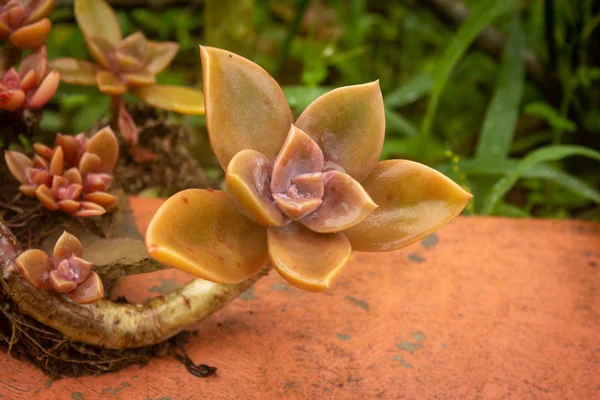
(300, 195)
(72, 177)
(28, 87)
(24, 22)
(65, 272)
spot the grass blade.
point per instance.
(501, 117)
(548, 153)
(484, 13)
(411, 91)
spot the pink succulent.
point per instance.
(72, 177)
(24, 22)
(29, 87)
(65, 272)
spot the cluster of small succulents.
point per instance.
(29, 87)
(300, 195)
(64, 272)
(73, 177)
(24, 22)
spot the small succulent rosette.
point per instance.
(124, 64)
(29, 87)
(300, 195)
(24, 22)
(72, 177)
(64, 272)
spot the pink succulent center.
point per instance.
(73, 269)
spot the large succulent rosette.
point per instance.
(301, 195)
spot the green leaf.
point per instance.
(548, 153)
(483, 14)
(553, 117)
(501, 117)
(543, 171)
(410, 92)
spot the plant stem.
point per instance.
(115, 107)
(115, 325)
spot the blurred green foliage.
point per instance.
(524, 147)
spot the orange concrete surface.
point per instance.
(487, 308)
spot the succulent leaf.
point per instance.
(31, 36)
(299, 155)
(348, 124)
(160, 55)
(73, 71)
(104, 144)
(44, 92)
(203, 233)
(66, 246)
(308, 260)
(38, 10)
(17, 163)
(414, 201)
(34, 266)
(345, 204)
(88, 292)
(247, 179)
(173, 98)
(245, 107)
(96, 18)
(109, 83)
(296, 208)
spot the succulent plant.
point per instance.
(64, 272)
(24, 22)
(124, 64)
(72, 177)
(28, 87)
(300, 195)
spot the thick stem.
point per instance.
(115, 325)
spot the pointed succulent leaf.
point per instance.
(345, 204)
(34, 266)
(66, 246)
(101, 50)
(88, 292)
(44, 92)
(36, 61)
(45, 196)
(247, 179)
(414, 201)
(80, 269)
(132, 52)
(60, 283)
(110, 84)
(28, 82)
(39, 9)
(73, 71)
(348, 123)
(57, 162)
(28, 189)
(17, 163)
(31, 36)
(203, 233)
(4, 30)
(40, 162)
(96, 18)
(106, 200)
(73, 176)
(245, 107)
(11, 100)
(308, 260)
(296, 208)
(160, 55)
(105, 145)
(128, 130)
(172, 98)
(299, 155)
(97, 182)
(70, 146)
(69, 206)
(89, 209)
(89, 163)
(43, 151)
